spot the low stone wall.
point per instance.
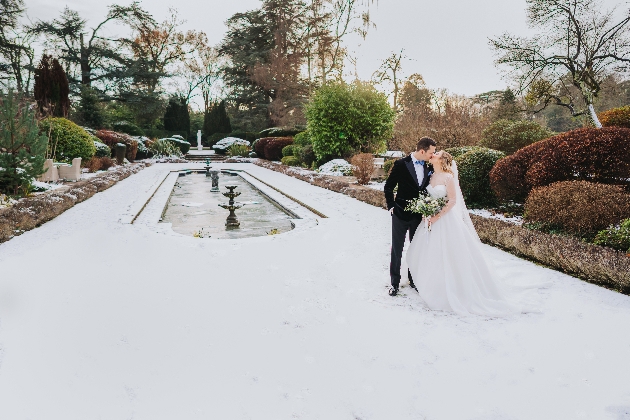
(30, 212)
(333, 183)
(596, 264)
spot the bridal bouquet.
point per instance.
(426, 206)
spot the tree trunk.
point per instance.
(593, 116)
(86, 71)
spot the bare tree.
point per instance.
(200, 74)
(577, 38)
(390, 71)
(16, 52)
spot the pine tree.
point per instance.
(177, 117)
(22, 147)
(216, 120)
(89, 110)
(51, 88)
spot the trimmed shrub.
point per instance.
(111, 138)
(288, 150)
(143, 151)
(180, 143)
(474, 169)
(302, 139)
(577, 206)
(223, 145)
(589, 154)
(273, 148)
(305, 154)
(458, 151)
(127, 128)
(259, 146)
(280, 132)
(617, 237)
(290, 161)
(362, 167)
(67, 140)
(616, 117)
(509, 136)
(99, 164)
(102, 150)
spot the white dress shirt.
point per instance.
(419, 169)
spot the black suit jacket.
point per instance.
(404, 176)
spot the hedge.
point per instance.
(67, 140)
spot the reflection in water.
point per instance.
(194, 210)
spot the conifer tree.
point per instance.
(51, 88)
(216, 120)
(22, 147)
(177, 117)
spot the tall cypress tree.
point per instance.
(51, 88)
(177, 117)
(216, 120)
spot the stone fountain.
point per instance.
(231, 221)
(207, 167)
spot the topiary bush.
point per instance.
(474, 169)
(111, 138)
(259, 146)
(577, 206)
(273, 148)
(66, 140)
(180, 143)
(305, 154)
(290, 161)
(387, 166)
(102, 150)
(616, 117)
(509, 136)
(302, 139)
(590, 154)
(288, 150)
(143, 151)
(280, 132)
(617, 237)
(458, 151)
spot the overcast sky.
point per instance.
(446, 40)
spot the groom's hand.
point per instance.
(391, 211)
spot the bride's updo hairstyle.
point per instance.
(446, 162)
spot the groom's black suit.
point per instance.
(404, 176)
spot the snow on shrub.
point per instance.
(336, 167)
(102, 150)
(223, 145)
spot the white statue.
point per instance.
(199, 146)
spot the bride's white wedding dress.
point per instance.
(450, 270)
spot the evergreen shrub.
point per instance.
(288, 150)
(509, 136)
(102, 150)
(238, 150)
(180, 143)
(163, 148)
(460, 150)
(111, 138)
(305, 154)
(616, 117)
(280, 132)
(127, 128)
(302, 138)
(66, 140)
(577, 206)
(590, 154)
(474, 169)
(388, 165)
(617, 237)
(273, 148)
(290, 161)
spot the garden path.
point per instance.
(100, 319)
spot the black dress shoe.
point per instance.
(393, 291)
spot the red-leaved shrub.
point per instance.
(110, 138)
(273, 147)
(578, 206)
(589, 154)
(362, 167)
(259, 146)
(99, 164)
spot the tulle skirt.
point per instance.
(452, 274)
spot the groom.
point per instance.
(411, 175)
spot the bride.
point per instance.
(448, 262)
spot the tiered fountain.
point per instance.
(231, 221)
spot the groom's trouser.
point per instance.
(399, 232)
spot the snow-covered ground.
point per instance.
(105, 320)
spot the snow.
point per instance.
(336, 167)
(517, 220)
(100, 319)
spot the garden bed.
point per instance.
(31, 212)
(597, 264)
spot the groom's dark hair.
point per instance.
(425, 143)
